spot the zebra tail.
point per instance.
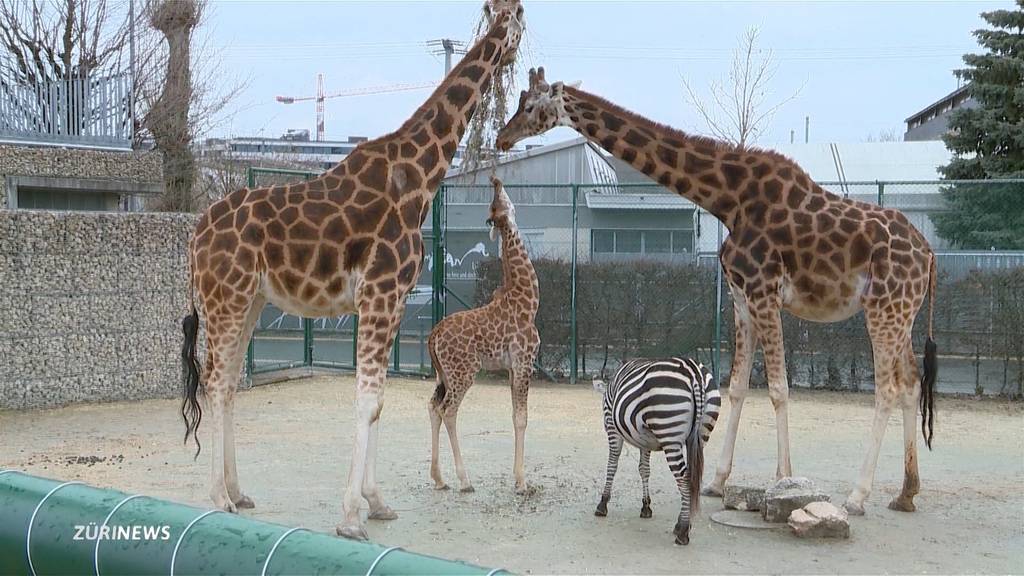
(695, 449)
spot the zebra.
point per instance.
(666, 404)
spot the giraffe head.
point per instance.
(502, 213)
(510, 14)
(541, 108)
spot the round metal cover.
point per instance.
(744, 519)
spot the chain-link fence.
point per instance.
(632, 270)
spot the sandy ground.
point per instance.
(295, 439)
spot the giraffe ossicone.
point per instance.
(500, 335)
(346, 242)
(791, 246)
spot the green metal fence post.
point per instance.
(717, 368)
(307, 341)
(250, 354)
(881, 193)
(355, 341)
(437, 277)
(396, 354)
(573, 353)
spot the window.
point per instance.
(642, 241)
(657, 241)
(604, 241)
(682, 241)
(73, 200)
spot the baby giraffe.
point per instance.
(499, 335)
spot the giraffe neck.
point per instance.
(443, 119)
(518, 274)
(689, 165)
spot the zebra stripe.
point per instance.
(668, 405)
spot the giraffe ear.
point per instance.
(576, 84)
(556, 89)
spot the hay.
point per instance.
(490, 111)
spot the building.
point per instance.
(294, 148)
(67, 145)
(933, 121)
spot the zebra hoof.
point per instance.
(646, 512)
(602, 510)
(683, 540)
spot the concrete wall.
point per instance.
(124, 172)
(91, 306)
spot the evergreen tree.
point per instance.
(988, 141)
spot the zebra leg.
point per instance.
(675, 454)
(645, 475)
(614, 450)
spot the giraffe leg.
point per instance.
(377, 326)
(675, 454)
(371, 491)
(885, 362)
(614, 450)
(451, 416)
(645, 476)
(435, 445)
(911, 390)
(230, 464)
(769, 328)
(520, 393)
(739, 383)
(223, 364)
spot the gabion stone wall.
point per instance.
(91, 306)
(123, 166)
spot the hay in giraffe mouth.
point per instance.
(492, 109)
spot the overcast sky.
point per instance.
(860, 67)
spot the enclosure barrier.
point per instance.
(53, 527)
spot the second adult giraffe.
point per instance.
(499, 335)
(346, 242)
(791, 246)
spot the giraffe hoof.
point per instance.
(467, 489)
(646, 512)
(854, 509)
(244, 503)
(440, 486)
(683, 540)
(902, 504)
(385, 513)
(356, 532)
(711, 490)
(602, 510)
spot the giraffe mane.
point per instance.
(696, 139)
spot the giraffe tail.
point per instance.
(191, 411)
(931, 366)
(439, 393)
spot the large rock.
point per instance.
(820, 520)
(787, 495)
(750, 498)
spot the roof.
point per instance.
(645, 201)
(949, 96)
(869, 161)
(594, 166)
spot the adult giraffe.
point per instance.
(791, 246)
(346, 242)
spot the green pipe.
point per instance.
(51, 527)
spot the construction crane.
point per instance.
(321, 96)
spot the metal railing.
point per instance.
(77, 111)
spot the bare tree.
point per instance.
(738, 110)
(60, 39)
(887, 135)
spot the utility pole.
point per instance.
(792, 136)
(807, 129)
(448, 47)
